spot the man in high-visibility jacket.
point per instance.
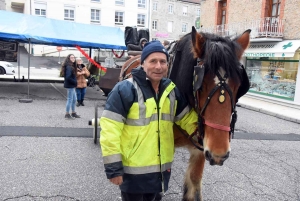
(136, 137)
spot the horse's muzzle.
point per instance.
(215, 160)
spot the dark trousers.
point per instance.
(137, 196)
(80, 92)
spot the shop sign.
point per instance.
(260, 54)
(162, 35)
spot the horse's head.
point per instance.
(219, 80)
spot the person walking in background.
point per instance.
(70, 83)
(82, 74)
(137, 139)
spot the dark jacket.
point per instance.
(70, 78)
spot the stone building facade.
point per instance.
(2, 4)
(245, 13)
(272, 59)
(171, 19)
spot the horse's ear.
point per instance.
(197, 41)
(244, 41)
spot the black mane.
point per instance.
(216, 52)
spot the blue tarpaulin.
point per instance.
(21, 27)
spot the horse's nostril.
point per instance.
(226, 156)
(207, 155)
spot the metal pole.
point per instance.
(28, 100)
(29, 67)
(29, 47)
(59, 57)
(18, 62)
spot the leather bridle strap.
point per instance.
(216, 126)
(202, 121)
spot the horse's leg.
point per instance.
(193, 177)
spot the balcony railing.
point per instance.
(262, 28)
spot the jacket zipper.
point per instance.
(158, 133)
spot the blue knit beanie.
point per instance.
(153, 46)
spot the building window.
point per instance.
(184, 10)
(40, 9)
(275, 8)
(222, 12)
(69, 13)
(119, 2)
(154, 24)
(40, 12)
(154, 6)
(141, 20)
(184, 27)
(119, 18)
(272, 77)
(95, 15)
(142, 3)
(198, 12)
(170, 26)
(170, 8)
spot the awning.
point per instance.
(286, 48)
(18, 27)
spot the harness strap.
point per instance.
(216, 126)
(209, 97)
(124, 75)
(198, 142)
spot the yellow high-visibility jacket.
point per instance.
(136, 136)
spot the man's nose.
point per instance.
(159, 64)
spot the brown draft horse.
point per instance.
(206, 69)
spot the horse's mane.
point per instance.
(216, 52)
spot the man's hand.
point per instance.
(117, 180)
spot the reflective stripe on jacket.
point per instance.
(137, 132)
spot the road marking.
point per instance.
(58, 90)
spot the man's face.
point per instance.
(156, 66)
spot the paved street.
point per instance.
(47, 158)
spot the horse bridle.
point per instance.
(199, 71)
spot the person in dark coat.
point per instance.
(69, 71)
